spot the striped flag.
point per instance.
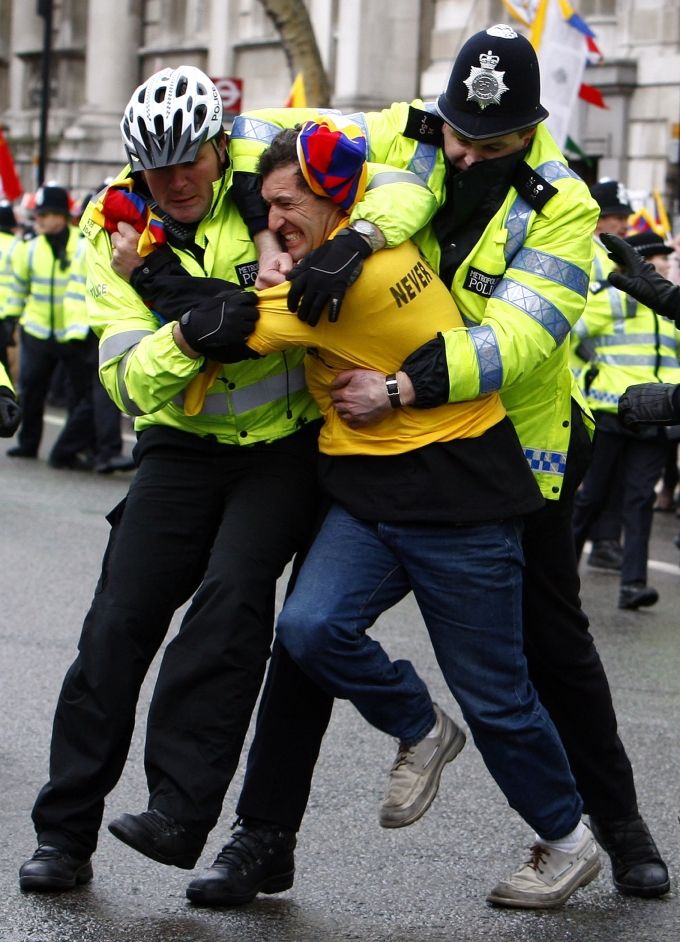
(297, 97)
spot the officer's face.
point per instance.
(302, 220)
(617, 224)
(49, 223)
(185, 190)
(462, 153)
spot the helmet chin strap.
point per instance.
(180, 234)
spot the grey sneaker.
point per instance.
(414, 777)
(550, 877)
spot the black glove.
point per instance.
(7, 325)
(650, 404)
(10, 413)
(641, 280)
(324, 276)
(219, 327)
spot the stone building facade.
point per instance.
(373, 52)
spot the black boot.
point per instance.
(52, 869)
(637, 866)
(258, 858)
(634, 595)
(160, 837)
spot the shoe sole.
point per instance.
(211, 896)
(131, 839)
(548, 900)
(645, 892)
(52, 885)
(394, 819)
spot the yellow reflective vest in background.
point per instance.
(39, 287)
(630, 343)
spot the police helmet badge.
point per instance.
(485, 85)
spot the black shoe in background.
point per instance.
(52, 869)
(158, 836)
(77, 462)
(607, 555)
(114, 463)
(258, 858)
(637, 866)
(634, 595)
(18, 451)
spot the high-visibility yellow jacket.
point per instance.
(5, 378)
(145, 372)
(630, 343)
(533, 270)
(38, 290)
(8, 245)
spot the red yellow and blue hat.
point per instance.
(332, 153)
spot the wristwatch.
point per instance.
(370, 232)
(392, 386)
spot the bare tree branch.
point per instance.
(291, 19)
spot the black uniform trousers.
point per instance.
(564, 666)
(214, 521)
(634, 465)
(38, 362)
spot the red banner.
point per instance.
(592, 95)
(11, 184)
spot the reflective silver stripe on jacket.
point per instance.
(652, 339)
(130, 406)
(488, 358)
(536, 306)
(249, 128)
(616, 299)
(553, 269)
(638, 359)
(394, 176)
(113, 347)
(520, 212)
(258, 394)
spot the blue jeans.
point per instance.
(467, 582)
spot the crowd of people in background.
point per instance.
(266, 432)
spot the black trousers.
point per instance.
(564, 666)
(638, 463)
(213, 521)
(38, 361)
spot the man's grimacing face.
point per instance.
(301, 219)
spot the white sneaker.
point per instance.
(414, 777)
(550, 877)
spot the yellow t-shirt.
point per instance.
(396, 304)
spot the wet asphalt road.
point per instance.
(354, 881)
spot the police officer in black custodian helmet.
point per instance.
(478, 83)
(512, 239)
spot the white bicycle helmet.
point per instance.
(169, 117)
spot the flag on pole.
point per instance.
(558, 38)
(661, 220)
(564, 43)
(592, 95)
(297, 97)
(11, 185)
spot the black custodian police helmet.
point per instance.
(494, 87)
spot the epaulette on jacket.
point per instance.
(532, 187)
(423, 126)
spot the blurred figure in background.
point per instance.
(41, 268)
(632, 344)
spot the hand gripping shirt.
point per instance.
(458, 463)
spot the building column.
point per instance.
(377, 53)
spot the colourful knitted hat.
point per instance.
(332, 155)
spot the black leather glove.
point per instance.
(650, 404)
(641, 280)
(10, 413)
(325, 274)
(218, 327)
(7, 325)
